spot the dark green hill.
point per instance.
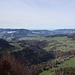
(33, 55)
(27, 53)
(5, 46)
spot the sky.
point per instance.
(37, 14)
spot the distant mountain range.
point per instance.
(53, 32)
(19, 33)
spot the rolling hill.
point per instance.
(21, 33)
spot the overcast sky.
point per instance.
(37, 14)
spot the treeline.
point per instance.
(69, 35)
(9, 66)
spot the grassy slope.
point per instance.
(66, 45)
(68, 63)
(56, 43)
(61, 43)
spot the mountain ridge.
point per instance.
(21, 33)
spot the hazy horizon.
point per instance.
(37, 14)
(33, 28)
